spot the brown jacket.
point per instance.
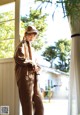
(23, 64)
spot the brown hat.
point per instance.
(31, 29)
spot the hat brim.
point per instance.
(30, 32)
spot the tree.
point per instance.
(37, 19)
(50, 54)
(63, 54)
(60, 52)
(70, 7)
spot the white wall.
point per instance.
(61, 90)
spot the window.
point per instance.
(7, 30)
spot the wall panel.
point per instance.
(8, 87)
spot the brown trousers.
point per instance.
(30, 97)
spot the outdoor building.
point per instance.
(55, 81)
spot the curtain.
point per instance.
(74, 95)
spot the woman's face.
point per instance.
(30, 37)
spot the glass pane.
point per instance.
(5, 16)
(7, 31)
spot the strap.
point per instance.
(74, 35)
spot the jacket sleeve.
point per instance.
(20, 58)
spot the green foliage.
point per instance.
(37, 44)
(60, 52)
(63, 45)
(70, 7)
(6, 16)
(63, 54)
(6, 34)
(37, 19)
(6, 48)
(50, 54)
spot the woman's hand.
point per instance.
(36, 68)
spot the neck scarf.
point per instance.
(29, 49)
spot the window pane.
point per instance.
(7, 33)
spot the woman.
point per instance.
(26, 75)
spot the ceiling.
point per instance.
(2, 2)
